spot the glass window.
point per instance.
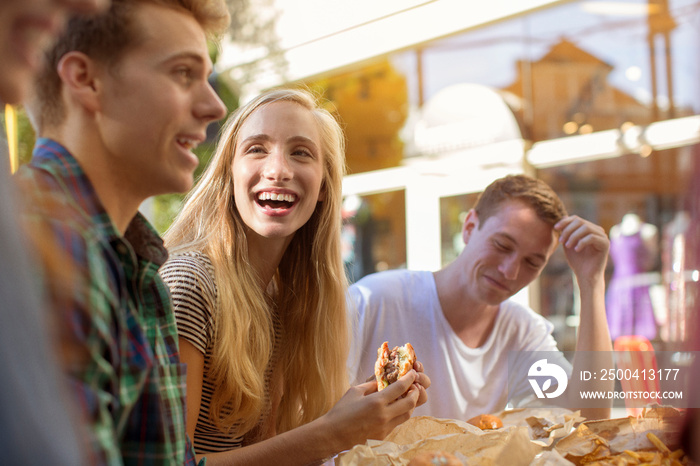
(605, 98)
(374, 237)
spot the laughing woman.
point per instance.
(258, 287)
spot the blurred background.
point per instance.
(601, 99)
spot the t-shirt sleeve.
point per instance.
(357, 308)
(193, 291)
(536, 343)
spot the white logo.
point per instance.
(543, 369)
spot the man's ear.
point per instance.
(471, 222)
(78, 72)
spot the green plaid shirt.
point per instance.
(132, 384)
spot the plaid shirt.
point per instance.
(131, 384)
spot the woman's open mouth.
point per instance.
(276, 201)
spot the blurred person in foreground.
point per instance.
(122, 100)
(461, 320)
(35, 418)
(258, 288)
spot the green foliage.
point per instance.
(25, 134)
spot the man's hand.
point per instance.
(586, 247)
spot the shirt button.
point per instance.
(121, 249)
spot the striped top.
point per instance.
(190, 277)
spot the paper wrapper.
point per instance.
(603, 439)
(508, 445)
(545, 425)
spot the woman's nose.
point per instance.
(277, 166)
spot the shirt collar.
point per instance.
(54, 158)
(51, 156)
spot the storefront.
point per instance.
(599, 99)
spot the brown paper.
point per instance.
(545, 425)
(597, 439)
(508, 445)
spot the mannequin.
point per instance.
(676, 260)
(634, 251)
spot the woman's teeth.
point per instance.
(266, 196)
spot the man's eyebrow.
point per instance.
(187, 55)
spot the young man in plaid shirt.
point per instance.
(121, 103)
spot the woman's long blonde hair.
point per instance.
(308, 287)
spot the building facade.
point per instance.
(600, 99)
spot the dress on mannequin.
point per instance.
(628, 303)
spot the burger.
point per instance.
(391, 365)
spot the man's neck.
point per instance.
(471, 320)
(120, 202)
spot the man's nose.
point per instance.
(510, 267)
(209, 106)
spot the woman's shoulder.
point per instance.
(189, 262)
(191, 269)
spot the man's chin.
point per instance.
(182, 186)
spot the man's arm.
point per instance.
(93, 374)
(586, 247)
(76, 287)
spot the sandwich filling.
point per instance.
(391, 365)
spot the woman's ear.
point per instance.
(78, 72)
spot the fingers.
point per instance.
(422, 378)
(404, 405)
(367, 387)
(422, 394)
(578, 233)
(401, 386)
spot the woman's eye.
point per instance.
(255, 150)
(302, 152)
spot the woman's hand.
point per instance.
(364, 413)
(421, 384)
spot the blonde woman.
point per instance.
(258, 288)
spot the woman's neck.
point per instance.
(265, 255)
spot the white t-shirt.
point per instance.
(401, 306)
